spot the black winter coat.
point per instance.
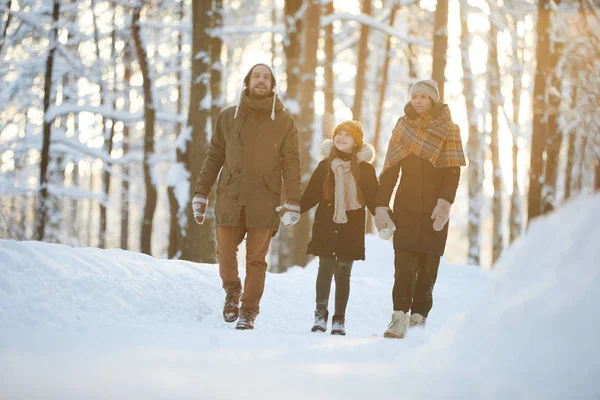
(345, 241)
(421, 185)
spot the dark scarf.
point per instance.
(431, 136)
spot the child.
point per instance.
(342, 185)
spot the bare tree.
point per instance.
(554, 142)
(216, 66)
(540, 124)
(475, 169)
(329, 85)
(440, 45)
(361, 67)
(383, 83)
(306, 118)
(43, 198)
(198, 241)
(495, 95)
(149, 120)
(515, 213)
(174, 207)
(281, 250)
(125, 171)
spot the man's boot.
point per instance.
(231, 308)
(320, 321)
(246, 321)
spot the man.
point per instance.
(253, 146)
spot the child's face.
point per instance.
(343, 141)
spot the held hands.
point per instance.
(384, 223)
(441, 214)
(289, 213)
(199, 205)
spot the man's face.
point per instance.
(261, 82)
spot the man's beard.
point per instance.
(255, 95)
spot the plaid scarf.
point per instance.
(431, 136)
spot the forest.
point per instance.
(107, 108)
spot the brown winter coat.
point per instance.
(259, 157)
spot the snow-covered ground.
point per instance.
(98, 324)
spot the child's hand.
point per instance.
(289, 213)
(384, 223)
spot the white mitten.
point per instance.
(289, 213)
(199, 204)
(441, 214)
(384, 223)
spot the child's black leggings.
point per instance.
(329, 267)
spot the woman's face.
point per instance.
(421, 102)
(343, 141)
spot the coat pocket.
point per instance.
(273, 182)
(224, 181)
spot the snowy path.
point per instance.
(132, 321)
(98, 324)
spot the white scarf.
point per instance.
(346, 192)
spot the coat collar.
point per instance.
(365, 154)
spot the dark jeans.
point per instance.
(414, 278)
(328, 267)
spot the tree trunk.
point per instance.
(198, 241)
(475, 168)
(42, 213)
(105, 175)
(581, 160)
(540, 124)
(175, 210)
(361, 67)
(515, 213)
(6, 23)
(329, 86)
(306, 120)
(440, 45)
(495, 95)
(125, 171)
(554, 143)
(597, 176)
(216, 67)
(383, 83)
(281, 251)
(149, 119)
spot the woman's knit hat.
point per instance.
(426, 86)
(354, 128)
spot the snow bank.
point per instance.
(534, 334)
(97, 324)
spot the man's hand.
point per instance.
(199, 205)
(441, 214)
(289, 213)
(384, 223)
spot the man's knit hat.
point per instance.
(354, 128)
(426, 86)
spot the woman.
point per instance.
(426, 145)
(342, 185)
